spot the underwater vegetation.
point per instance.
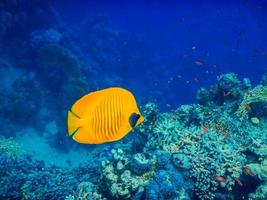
(197, 151)
(215, 148)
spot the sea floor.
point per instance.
(36, 145)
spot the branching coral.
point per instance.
(86, 191)
(203, 144)
(167, 185)
(258, 94)
(10, 147)
(206, 154)
(229, 89)
(119, 181)
(261, 170)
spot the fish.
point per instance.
(225, 94)
(179, 76)
(220, 179)
(196, 80)
(248, 171)
(227, 135)
(205, 129)
(199, 63)
(239, 182)
(247, 107)
(168, 105)
(103, 116)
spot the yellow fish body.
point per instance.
(103, 116)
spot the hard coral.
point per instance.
(229, 90)
(25, 178)
(205, 154)
(166, 185)
(258, 94)
(87, 191)
(118, 181)
(10, 148)
(139, 164)
(260, 169)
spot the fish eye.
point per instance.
(133, 119)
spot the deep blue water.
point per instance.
(166, 52)
(227, 36)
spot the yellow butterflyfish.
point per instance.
(103, 116)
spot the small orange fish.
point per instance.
(205, 129)
(248, 171)
(199, 63)
(220, 179)
(225, 94)
(239, 182)
(168, 105)
(247, 107)
(179, 76)
(227, 135)
(196, 80)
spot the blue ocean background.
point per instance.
(197, 67)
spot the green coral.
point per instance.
(87, 191)
(258, 94)
(261, 170)
(10, 147)
(209, 155)
(260, 194)
(150, 113)
(206, 154)
(119, 182)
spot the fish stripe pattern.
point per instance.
(102, 116)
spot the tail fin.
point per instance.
(74, 122)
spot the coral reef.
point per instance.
(258, 94)
(215, 149)
(193, 152)
(86, 191)
(25, 178)
(207, 156)
(167, 185)
(10, 148)
(209, 141)
(229, 90)
(119, 181)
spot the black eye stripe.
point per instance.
(133, 119)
